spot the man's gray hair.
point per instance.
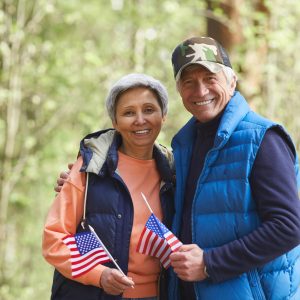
(229, 74)
(136, 80)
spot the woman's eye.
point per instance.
(128, 113)
(149, 110)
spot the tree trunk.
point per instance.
(226, 30)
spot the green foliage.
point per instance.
(274, 36)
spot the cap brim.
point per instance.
(210, 65)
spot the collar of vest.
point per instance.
(94, 150)
(99, 151)
(235, 111)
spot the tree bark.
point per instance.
(226, 30)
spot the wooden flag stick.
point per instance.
(145, 199)
(107, 252)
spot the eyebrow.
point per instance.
(133, 106)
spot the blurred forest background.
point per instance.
(57, 61)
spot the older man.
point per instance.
(237, 205)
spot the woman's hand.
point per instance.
(114, 282)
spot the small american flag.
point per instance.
(158, 241)
(86, 252)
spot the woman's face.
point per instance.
(139, 120)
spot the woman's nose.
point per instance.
(140, 118)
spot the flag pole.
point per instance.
(107, 252)
(145, 199)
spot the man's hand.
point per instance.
(114, 282)
(63, 176)
(188, 263)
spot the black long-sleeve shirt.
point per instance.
(274, 189)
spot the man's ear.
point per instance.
(232, 85)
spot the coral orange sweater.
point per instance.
(66, 213)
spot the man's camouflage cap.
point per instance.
(204, 51)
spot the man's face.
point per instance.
(204, 94)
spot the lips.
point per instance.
(141, 132)
(206, 102)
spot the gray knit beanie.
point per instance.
(135, 80)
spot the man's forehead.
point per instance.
(194, 69)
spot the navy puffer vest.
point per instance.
(109, 209)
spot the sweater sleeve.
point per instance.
(274, 188)
(63, 219)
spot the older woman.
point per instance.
(121, 163)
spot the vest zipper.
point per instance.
(255, 285)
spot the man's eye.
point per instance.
(187, 81)
(211, 78)
(187, 84)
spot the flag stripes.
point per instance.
(86, 253)
(157, 241)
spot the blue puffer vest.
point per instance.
(109, 208)
(224, 210)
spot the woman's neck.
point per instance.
(143, 153)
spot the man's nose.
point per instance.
(201, 89)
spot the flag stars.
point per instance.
(156, 226)
(86, 252)
(86, 242)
